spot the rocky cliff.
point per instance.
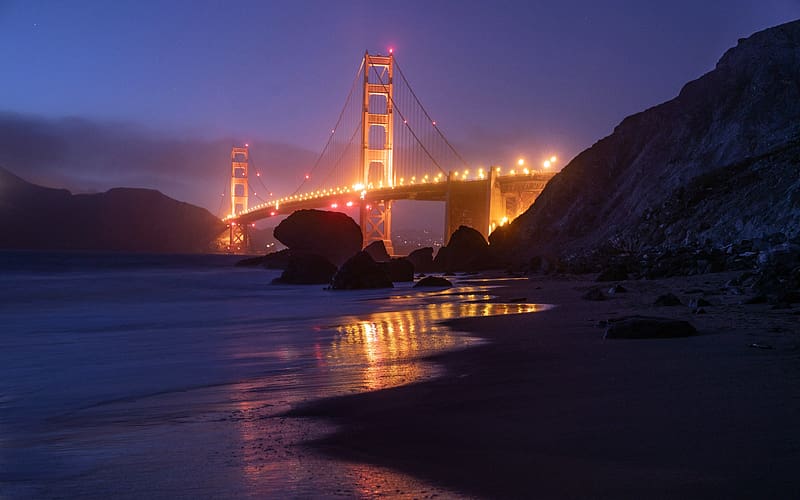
(718, 164)
(122, 219)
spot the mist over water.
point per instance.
(139, 375)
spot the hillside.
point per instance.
(121, 219)
(718, 164)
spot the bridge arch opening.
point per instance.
(375, 173)
(377, 137)
(378, 74)
(378, 104)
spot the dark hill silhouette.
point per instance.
(716, 165)
(121, 219)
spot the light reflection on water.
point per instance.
(384, 340)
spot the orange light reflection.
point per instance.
(387, 343)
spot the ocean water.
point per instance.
(132, 376)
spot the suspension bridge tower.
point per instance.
(377, 135)
(240, 160)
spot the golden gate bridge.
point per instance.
(386, 147)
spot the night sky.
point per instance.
(153, 94)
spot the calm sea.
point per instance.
(166, 376)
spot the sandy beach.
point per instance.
(550, 409)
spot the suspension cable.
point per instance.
(344, 152)
(394, 106)
(330, 137)
(222, 201)
(438, 130)
(258, 176)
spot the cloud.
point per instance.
(86, 156)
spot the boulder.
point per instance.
(377, 250)
(501, 244)
(250, 261)
(422, 259)
(332, 235)
(467, 250)
(274, 260)
(698, 302)
(360, 272)
(307, 269)
(433, 281)
(643, 327)
(277, 260)
(399, 269)
(617, 289)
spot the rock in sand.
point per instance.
(433, 281)
(644, 327)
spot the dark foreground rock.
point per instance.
(250, 262)
(422, 259)
(399, 269)
(467, 251)
(274, 260)
(433, 281)
(360, 272)
(332, 235)
(277, 260)
(377, 250)
(644, 327)
(307, 269)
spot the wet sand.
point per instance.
(549, 409)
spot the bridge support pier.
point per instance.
(475, 204)
(238, 237)
(376, 223)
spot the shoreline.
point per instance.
(549, 408)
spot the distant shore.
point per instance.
(549, 409)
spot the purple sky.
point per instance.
(162, 89)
